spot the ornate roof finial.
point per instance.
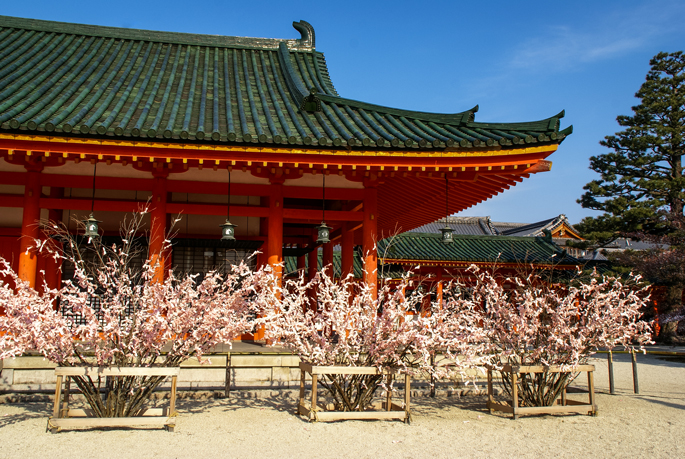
(307, 31)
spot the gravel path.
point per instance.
(651, 424)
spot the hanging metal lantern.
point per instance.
(323, 234)
(447, 235)
(228, 231)
(447, 231)
(92, 229)
(228, 228)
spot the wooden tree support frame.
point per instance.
(562, 404)
(66, 418)
(385, 410)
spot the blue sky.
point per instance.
(519, 61)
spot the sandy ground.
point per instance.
(651, 424)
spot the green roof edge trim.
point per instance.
(178, 38)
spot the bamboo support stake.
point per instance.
(636, 384)
(227, 386)
(490, 390)
(610, 361)
(388, 395)
(407, 394)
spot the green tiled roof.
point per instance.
(102, 82)
(428, 247)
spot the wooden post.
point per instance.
(58, 396)
(65, 405)
(636, 384)
(302, 387)
(369, 236)
(28, 260)
(314, 389)
(591, 391)
(610, 361)
(514, 394)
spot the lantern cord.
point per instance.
(323, 201)
(447, 198)
(228, 200)
(92, 200)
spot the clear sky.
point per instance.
(518, 60)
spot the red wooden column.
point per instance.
(301, 261)
(29, 225)
(274, 250)
(327, 259)
(369, 234)
(313, 262)
(347, 251)
(158, 224)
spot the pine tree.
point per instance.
(642, 189)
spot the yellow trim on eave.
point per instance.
(294, 151)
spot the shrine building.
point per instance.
(102, 120)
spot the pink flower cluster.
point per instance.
(531, 321)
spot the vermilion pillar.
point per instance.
(369, 235)
(274, 251)
(158, 224)
(347, 251)
(313, 262)
(29, 226)
(301, 260)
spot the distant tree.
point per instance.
(642, 189)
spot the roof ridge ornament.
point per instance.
(307, 31)
(311, 103)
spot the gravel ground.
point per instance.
(647, 425)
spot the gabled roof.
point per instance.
(553, 225)
(101, 82)
(428, 247)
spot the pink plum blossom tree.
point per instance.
(344, 324)
(114, 313)
(533, 322)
